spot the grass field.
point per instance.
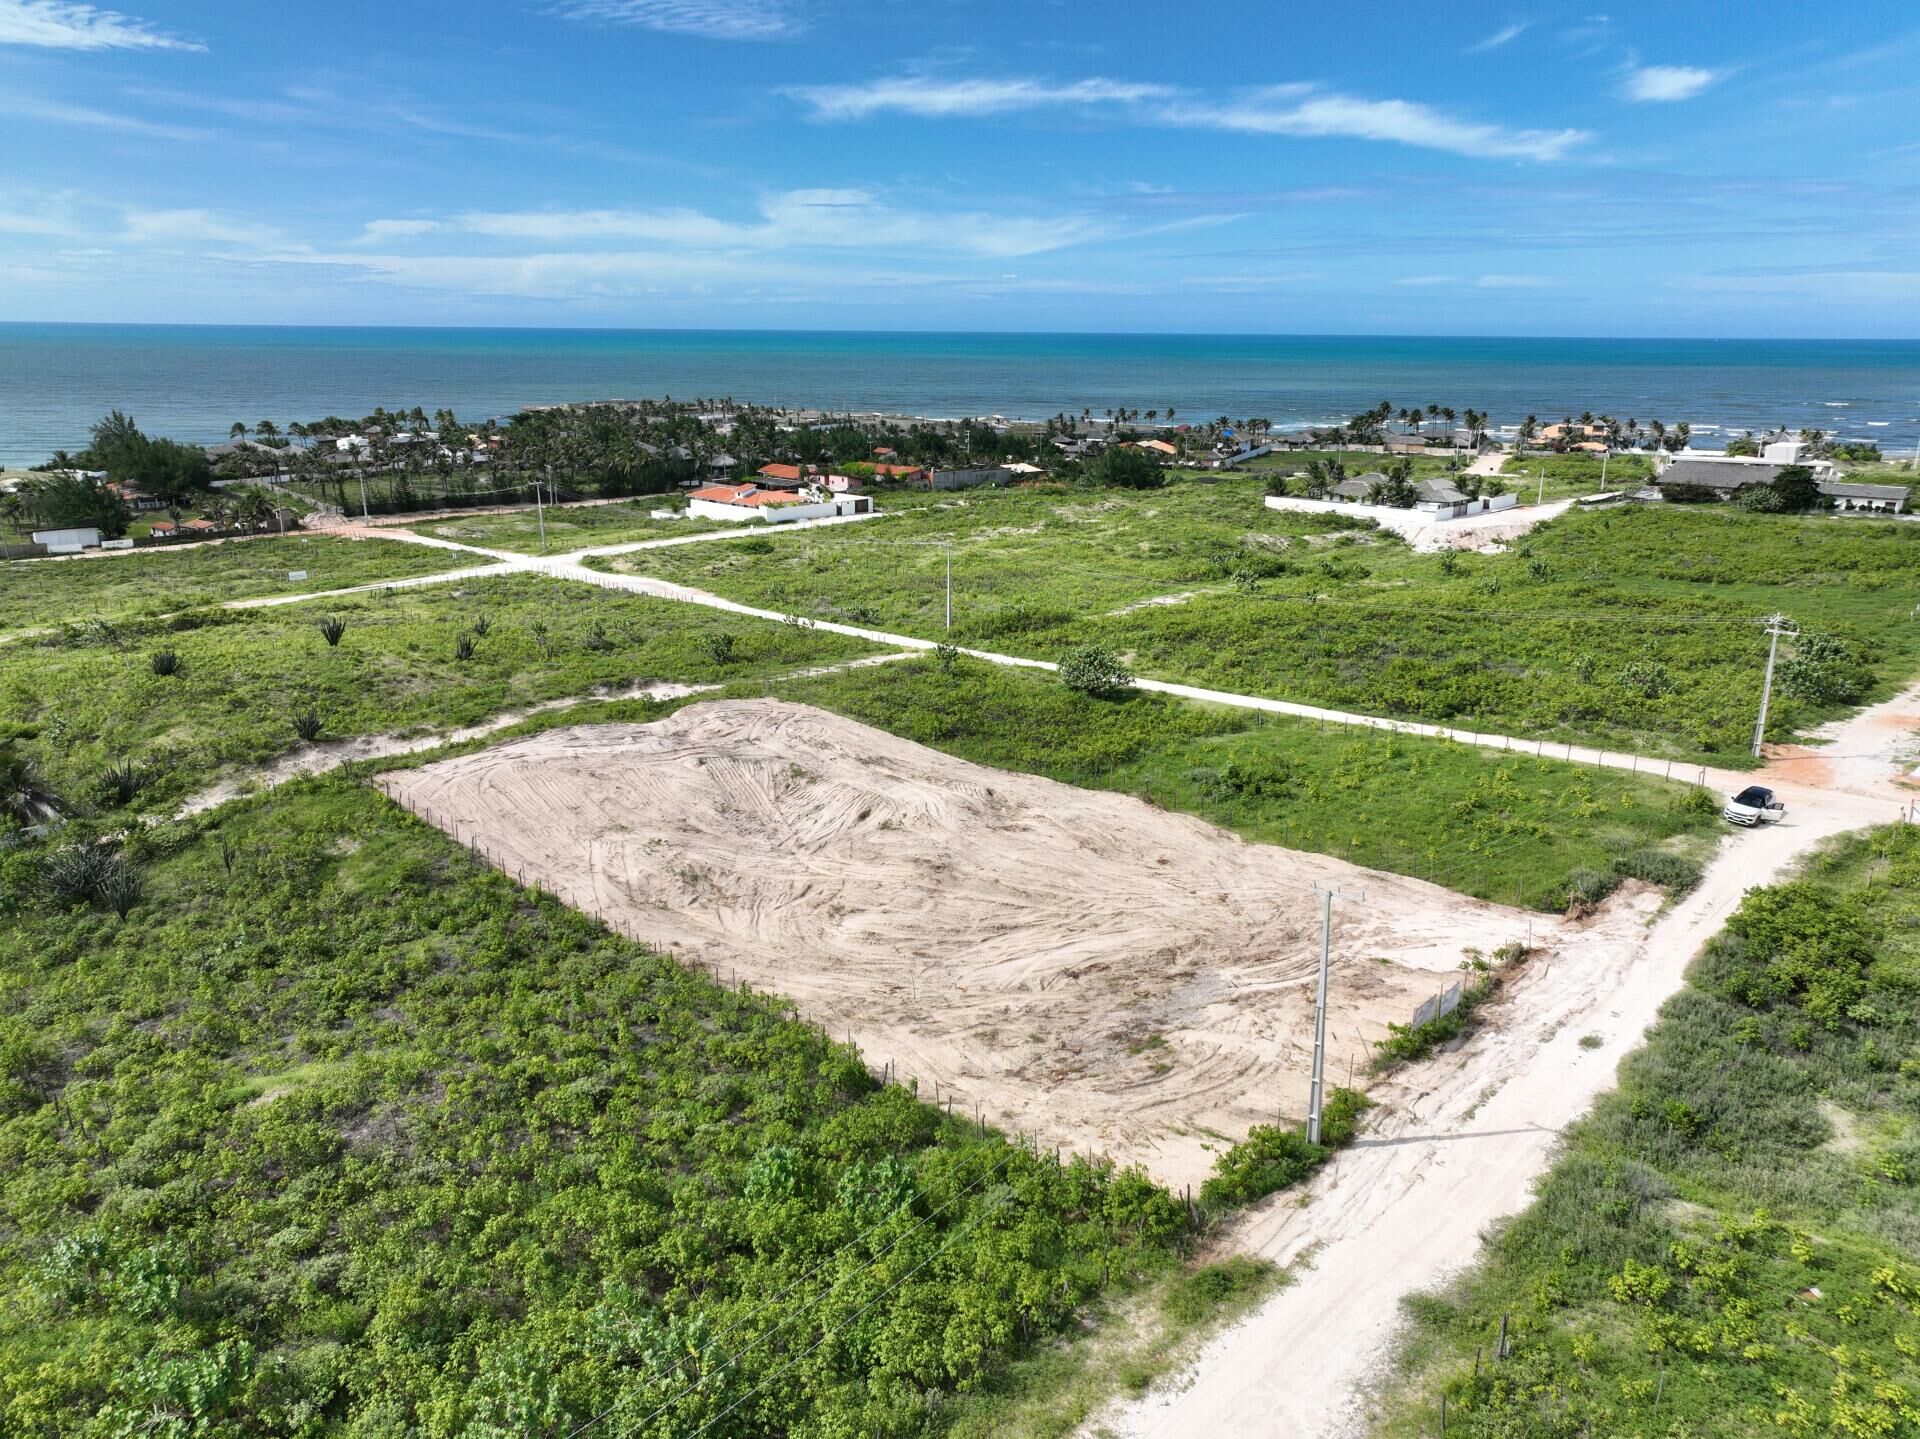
(339, 1132)
(1634, 629)
(1496, 826)
(570, 527)
(1727, 1246)
(89, 699)
(1574, 475)
(43, 592)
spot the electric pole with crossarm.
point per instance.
(1777, 625)
(1317, 1092)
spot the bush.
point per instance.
(1822, 670)
(1761, 500)
(119, 783)
(719, 647)
(306, 724)
(1582, 889)
(1271, 1158)
(1688, 494)
(1095, 670)
(1673, 872)
(165, 662)
(945, 657)
(333, 626)
(92, 874)
(463, 645)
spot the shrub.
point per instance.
(463, 645)
(719, 647)
(596, 640)
(1582, 889)
(165, 662)
(945, 657)
(306, 724)
(119, 783)
(333, 626)
(1672, 872)
(1095, 670)
(1761, 500)
(1822, 670)
(1647, 678)
(1272, 1158)
(1279, 485)
(481, 624)
(1201, 1294)
(1688, 494)
(92, 874)
(1268, 1159)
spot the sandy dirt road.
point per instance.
(1458, 1141)
(1079, 965)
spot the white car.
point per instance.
(1753, 805)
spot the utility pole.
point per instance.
(1316, 1092)
(361, 475)
(1605, 455)
(1541, 493)
(541, 514)
(949, 550)
(1777, 625)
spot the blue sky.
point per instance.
(1471, 168)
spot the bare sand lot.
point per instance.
(1080, 966)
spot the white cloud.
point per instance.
(380, 230)
(58, 112)
(950, 98)
(711, 19)
(1666, 82)
(790, 219)
(191, 226)
(1428, 280)
(1513, 282)
(1274, 110)
(58, 25)
(1498, 38)
(1404, 122)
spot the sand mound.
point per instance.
(1081, 966)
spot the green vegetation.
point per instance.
(41, 592)
(570, 527)
(1727, 1245)
(1570, 476)
(1632, 629)
(248, 683)
(338, 1132)
(1496, 825)
(1272, 1157)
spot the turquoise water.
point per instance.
(193, 382)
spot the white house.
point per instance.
(735, 503)
(68, 542)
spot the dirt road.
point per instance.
(1460, 1140)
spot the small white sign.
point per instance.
(295, 576)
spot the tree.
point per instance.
(72, 501)
(1797, 488)
(1095, 670)
(25, 797)
(1127, 467)
(1322, 476)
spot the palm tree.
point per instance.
(24, 796)
(267, 430)
(237, 431)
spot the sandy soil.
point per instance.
(1079, 966)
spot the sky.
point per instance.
(1361, 168)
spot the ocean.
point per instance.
(192, 382)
